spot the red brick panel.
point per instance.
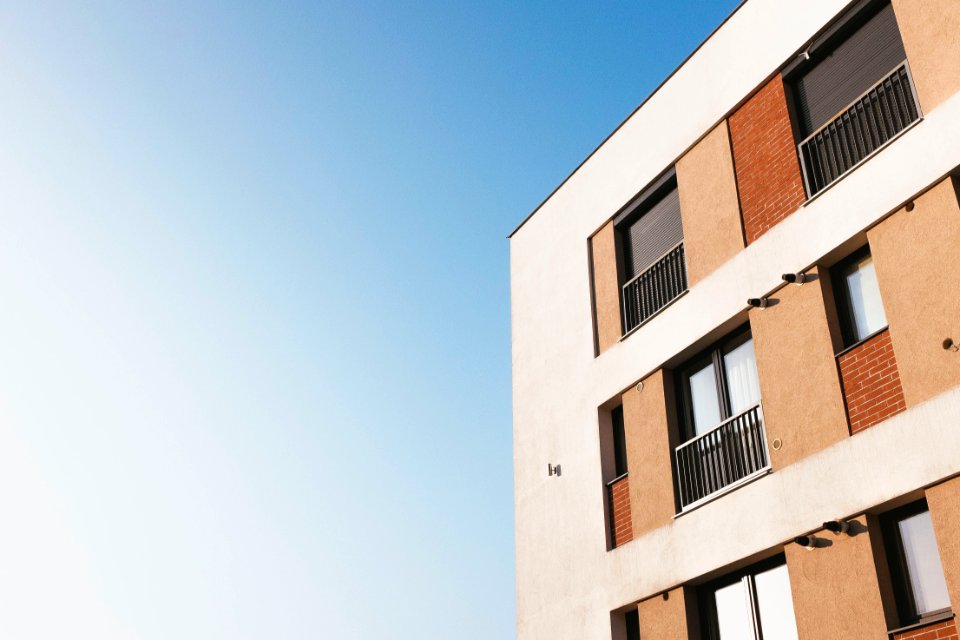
(871, 383)
(765, 160)
(620, 510)
(945, 630)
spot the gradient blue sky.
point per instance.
(254, 339)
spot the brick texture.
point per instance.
(871, 383)
(945, 630)
(622, 523)
(765, 159)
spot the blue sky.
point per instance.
(254, 340)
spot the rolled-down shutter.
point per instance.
(657, 229)
(848, 70)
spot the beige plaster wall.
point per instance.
(669, 616)
(799, 385)
(606, 286)
(944, 503)
(648, 419)
(917, 258)
(929, 29)
(709, 205)
(836, 593)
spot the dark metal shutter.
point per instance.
(651, 235)
(870, 53)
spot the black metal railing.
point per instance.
(654, 288)
(867, 124)
(733, 450)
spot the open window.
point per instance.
(919, 585)
(650, 235)
(752, 604)
(725, 442)
(852, 93)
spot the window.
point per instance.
(914, 559)
(852, 93)
(719, 384)
(722, 425)
(750, 605)
(619, 442)
(651, 242)
(858, 298)
(632, 619)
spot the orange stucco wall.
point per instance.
(606, 286)
(917, 258)
(647, 419)
(799, 387)
(709, 204)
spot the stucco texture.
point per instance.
(917, 258)
(647, 416)
(944, 503)
(929, 30)
(668, 616)
(836, 593)
(709, 204)
(606, 286)
(799, 385)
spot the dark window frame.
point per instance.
(639, 206)
(897, 563)
(619, 442)
(842, 301)
(708, 612)
(714, 355)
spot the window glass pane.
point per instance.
(741, 370)
(865, 308)
(703, 398)
(776, 604)
(923, 563)
(733, 612)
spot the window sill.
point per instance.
(933, 619)
(864, 340)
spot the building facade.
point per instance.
(736, 371)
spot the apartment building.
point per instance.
(736, 371)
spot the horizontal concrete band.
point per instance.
(912, 450)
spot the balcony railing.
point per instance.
(871, 121)
(653, 289)
(731, 452)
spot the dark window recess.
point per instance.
(632, 619)
(723, 425)
(915, 568)
(858, 297)
(840, 74)
(619, 442)
(852, 96)
(753, 603)
(651, 241)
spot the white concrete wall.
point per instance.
(566, 581)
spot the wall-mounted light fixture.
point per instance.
(758, 303)
(837, 526)
(795, 278)
(950, 345)
(807, 542)
(553, 470)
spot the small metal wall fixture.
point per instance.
(553, 470)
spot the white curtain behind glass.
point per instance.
(733, 612)
(740, 366)
(703, 396)
(866, 307)
(775, 602)
(923, 563)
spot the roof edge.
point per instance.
(624, 121)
